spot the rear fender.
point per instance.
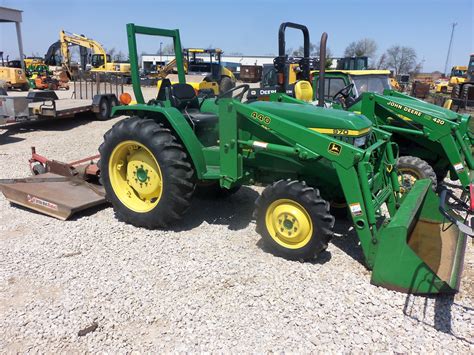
(177, 122)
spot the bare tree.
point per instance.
(111, 51)
(167, 49)
(401, 59)
(120, 56)
(313, 52)
(381, 63)
(365, 47)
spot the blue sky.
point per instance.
(250, 27)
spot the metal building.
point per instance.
(14, 16)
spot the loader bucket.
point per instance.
(420, 250)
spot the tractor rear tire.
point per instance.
(413, 168)
(226, 84)
(171, 175)
(293, 220)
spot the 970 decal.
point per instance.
(262, 118)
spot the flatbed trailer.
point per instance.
(96, 95)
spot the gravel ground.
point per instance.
(207, 285)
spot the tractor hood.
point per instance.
(423, 107)
(323, 120)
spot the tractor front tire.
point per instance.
(411, 169)
(293, 220)
(146, 173)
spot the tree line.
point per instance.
(399, 59)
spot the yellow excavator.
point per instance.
(100, 60)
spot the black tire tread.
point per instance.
(310, 198)
(178, 172)
(424, 169)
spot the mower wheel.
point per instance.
(146, 173)
(411, 169)
(226, 84)
(293, 220)
(104, 110)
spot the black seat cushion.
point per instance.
(183, 96)
(201, 119)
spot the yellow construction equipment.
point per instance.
(457, 76)
(100, 60)
(11, 77)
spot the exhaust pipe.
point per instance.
(322, 68)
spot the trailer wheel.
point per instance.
(113, 102)
(146, 173)
(104, 109)
(411, 169)
(293, 220)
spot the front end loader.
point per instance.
(151, 163)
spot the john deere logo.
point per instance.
(334, 148)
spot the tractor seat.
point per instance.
(184, 98)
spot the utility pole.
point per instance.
(454, 24)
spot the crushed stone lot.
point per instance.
(206, 285)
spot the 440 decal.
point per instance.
(262, 118)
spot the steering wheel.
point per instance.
(245, 88)
(344, 92)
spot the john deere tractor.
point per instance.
(152, 161)
(432, 140)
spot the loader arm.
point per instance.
(413, 117)
(371, 190)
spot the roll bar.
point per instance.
(280, 61)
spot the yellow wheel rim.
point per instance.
(135, 176)
(407, 179)
(289, 224)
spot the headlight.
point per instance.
(360, 141)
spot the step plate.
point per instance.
(59, 198)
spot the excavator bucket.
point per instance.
(421, 250)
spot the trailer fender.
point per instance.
(177, 122)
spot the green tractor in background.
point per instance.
(432, 140)
(305, 155)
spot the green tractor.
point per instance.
(305, 155)
(432, 140)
